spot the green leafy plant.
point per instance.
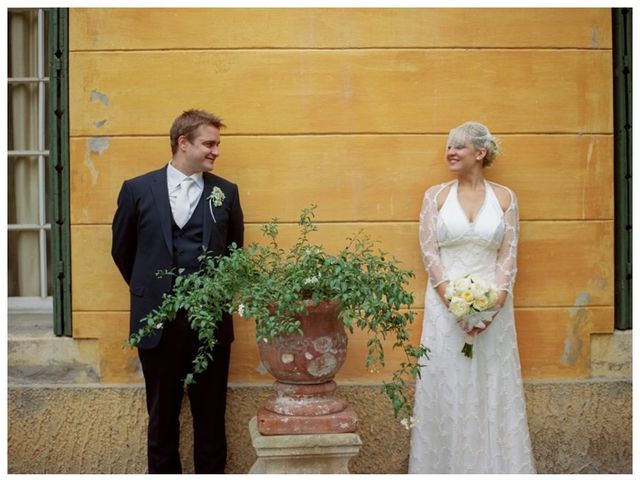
(267, 283)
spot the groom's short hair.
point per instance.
(188, 122)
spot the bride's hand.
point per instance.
(478, 330)
(441, 289)
(491, 315)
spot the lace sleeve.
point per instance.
(428, 236)
(506, 265)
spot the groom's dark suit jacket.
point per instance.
(143, 242)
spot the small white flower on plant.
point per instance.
(241, 310)
(311, 280)
(159, 326)
(216, 197)
(408, 423)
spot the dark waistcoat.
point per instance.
(187, 241)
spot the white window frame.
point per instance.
(44, 302)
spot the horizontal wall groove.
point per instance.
(365, 223)
(350, 134)
(346, 49)
(527, 308)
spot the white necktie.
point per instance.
(183, 203)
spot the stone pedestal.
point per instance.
(305, 409)
(317, 453)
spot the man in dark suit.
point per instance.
(163, 220)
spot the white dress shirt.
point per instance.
(174, 178)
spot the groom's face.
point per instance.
(201, 153)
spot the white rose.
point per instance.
(461, 284)
(479, 289)
(481, 304)
(458, 307)
(467, 296)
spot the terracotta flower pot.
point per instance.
(313, 357)
(304, 366)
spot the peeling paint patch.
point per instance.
(98, 144)
(571, 351)
(99, 124)
(95, 145)
(92, 169)
(585, 181)
(583, 299)
(575, 331)
(599, 283)
(97, 96)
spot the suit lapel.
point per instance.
(207, 223)
(161, 196)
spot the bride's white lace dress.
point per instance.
(470, 413)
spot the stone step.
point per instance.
(36, 355)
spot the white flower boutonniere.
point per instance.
(216, 197)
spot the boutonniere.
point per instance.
(216, 197)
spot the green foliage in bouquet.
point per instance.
(267, 284)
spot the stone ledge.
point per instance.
(36, 355)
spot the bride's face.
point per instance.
(462, 157)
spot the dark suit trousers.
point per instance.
(164, 368)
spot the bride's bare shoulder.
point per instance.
(504, 195)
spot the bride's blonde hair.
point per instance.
(478, 136)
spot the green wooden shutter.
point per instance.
(622, 45)
(59, 169)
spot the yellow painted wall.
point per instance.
(350, 109)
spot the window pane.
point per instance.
(23, 43)
(23, 263)
(23, 116)
(23, 190)
(47, 109)
(46, 42)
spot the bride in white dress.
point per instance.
(470, 412)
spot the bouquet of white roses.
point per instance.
(471, 299)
